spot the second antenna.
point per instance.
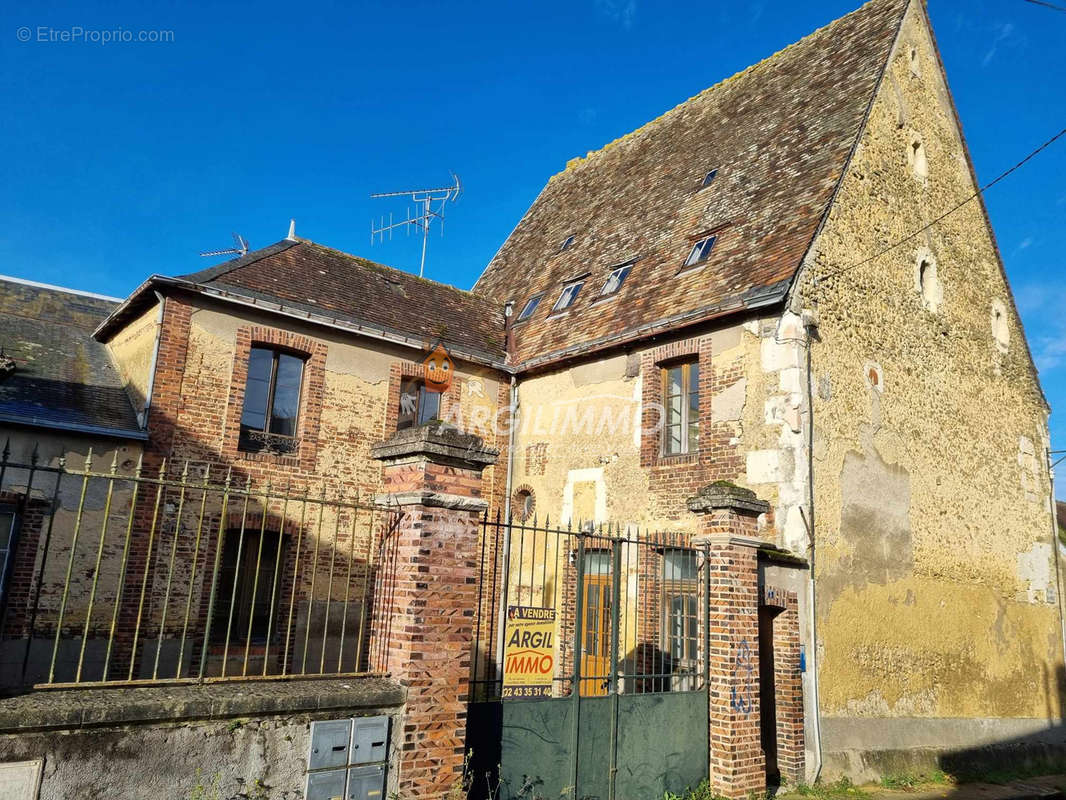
(430, 205)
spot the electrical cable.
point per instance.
(979, 192)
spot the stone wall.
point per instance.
(936, 592)
(587, 444)
(212, 742)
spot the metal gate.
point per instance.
(627, 715)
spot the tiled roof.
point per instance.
(63, 378)
(309, 277)
(779, 134)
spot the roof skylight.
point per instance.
(530, 307)
(700, 252)
(569, 295)
(615, 279)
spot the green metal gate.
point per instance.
(627, 718)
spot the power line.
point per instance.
(947, 213)
(1047, 5)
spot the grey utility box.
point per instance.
(327, 785)
(365, 783)
(370, 735)
(329, 745)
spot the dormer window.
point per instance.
(530, 307)
(708, 179)
(569, 295)
(700, 252)
(615, 279)
(569, 240)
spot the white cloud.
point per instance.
(1003, 33)
(1050, 352)
(624, 12)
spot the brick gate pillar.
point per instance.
(727, 529)
(433, 475)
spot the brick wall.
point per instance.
(425, 624)
(788, 682)
(673, 478)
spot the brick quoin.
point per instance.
(424, 629)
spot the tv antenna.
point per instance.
(240, 248)
(431, 201)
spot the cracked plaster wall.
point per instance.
(936, 584)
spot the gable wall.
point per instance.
(132, 350)
(936, 583)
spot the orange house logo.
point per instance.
(439, 368)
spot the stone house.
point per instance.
(748, 291)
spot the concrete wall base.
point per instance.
(967, 749)
(219, 740)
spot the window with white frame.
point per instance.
(568, 296)
(615, 280)
(699, 253)
(680, 606)
(681, 408)
(530, 307)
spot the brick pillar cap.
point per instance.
(726, 540)
(723, 494)
(442, 443)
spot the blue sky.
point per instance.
(124, 159)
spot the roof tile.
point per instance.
(779, 135)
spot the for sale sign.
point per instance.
(529, 655)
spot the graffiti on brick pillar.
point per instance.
(742, 692)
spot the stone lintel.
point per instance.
(715, 496)
(438, 443)
(432, 500)
(727, 540)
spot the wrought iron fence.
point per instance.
(632, 608)
(135, 574)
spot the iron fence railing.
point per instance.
(137, 574)
(631, 606)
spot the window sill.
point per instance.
(292, 460)
(690, 269)
(677, 458)
(602, 300)
(558, 315)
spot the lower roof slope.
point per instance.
(779, 134)
(302, 275)
(62, 379)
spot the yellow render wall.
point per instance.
(936, 581)
(133, 349)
